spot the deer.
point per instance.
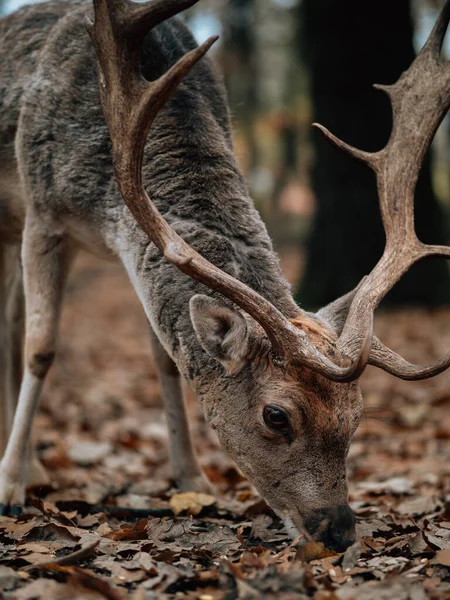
(115, 137)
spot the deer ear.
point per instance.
(221, 331)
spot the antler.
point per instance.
(420, 100)
(130, 105)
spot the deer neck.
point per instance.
(207, 204)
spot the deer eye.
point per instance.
(275, 418)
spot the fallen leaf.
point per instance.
(190, 502)
(86, 579)
(312, 551)
(69, 559)
(418, 506)
(89, 453)
(8, 578)
(443, 557)
(437, 543)
(351, 556)
(45, 589)
(395, 485)
(51, 532)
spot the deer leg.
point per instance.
(14, 314)
(10, 346)
(186, 471)
(15, 323)
(3, 352)
(46, 259)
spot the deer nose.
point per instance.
(335, 527)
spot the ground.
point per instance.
(112, 527)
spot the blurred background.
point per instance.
(287, 63)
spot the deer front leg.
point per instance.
(15, 329)
(3, 352)
(186, 471)
(46, 258)
(15, 315)
(9, 262)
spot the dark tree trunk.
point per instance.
(288, 140)
(350, 45)
(240, 69)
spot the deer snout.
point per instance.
(334, 527)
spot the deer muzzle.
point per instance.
(334, 527)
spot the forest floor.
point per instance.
(108, 527)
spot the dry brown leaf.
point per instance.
(312, 551)
(191, 503)
(88, 453)
(418, 506)
(46, 589)
(443, 557)
(396, 485)
(351, 556)
(435, 542)
(86, 579)
(67, 559)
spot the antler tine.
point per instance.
(138, 18)
(420, 100)
(126, 24)
(130, 106)
(434, 43)
(443, 251)
(367, 158)
(393, 363)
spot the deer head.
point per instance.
(285, 399)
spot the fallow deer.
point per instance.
(279, 385)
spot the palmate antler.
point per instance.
(130, 105)
(420, 100)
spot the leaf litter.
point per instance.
(113, 526)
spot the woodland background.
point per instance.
(100, 430)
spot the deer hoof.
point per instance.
(12, 496)
(10, 510)
(12, 490)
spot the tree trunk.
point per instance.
(240, 69)
(349, 46)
